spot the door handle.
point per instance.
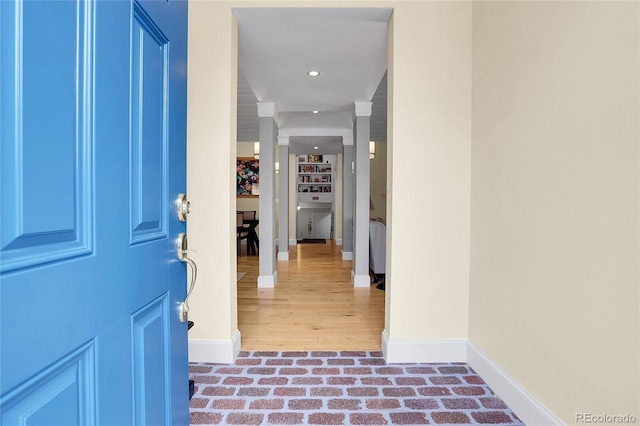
(183, 249)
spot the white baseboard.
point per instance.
(218, 351)
(410, 350)
(347, 255)
(523, 404)
(361, 281)
(268, 281)
(283, 255)
(339, 241)
(526, 407)
(293, 242)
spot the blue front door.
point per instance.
(93, 133)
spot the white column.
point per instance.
(347, 198)
(283, 234)
(268, 130)
(361, 216)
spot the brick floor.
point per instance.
(340, 388)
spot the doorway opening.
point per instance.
(277, 47)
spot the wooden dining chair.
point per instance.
(249, 215)
(241, 233)
(250, 223)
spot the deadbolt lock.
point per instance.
(183, 206)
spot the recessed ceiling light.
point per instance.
(313, 73)
(315, 147)
(314, 111)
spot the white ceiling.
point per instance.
(276, 48)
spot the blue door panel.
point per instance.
(150, 361)
(92, 158)
(38, 326)
(50, 39)
(44, 117)
(149, 57)
(61, 394)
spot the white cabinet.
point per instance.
(321, 224)
(313, 224)
(304, 224)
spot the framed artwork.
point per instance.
(247, 177)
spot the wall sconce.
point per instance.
(277, 167)
(256, 150)
(372, 150)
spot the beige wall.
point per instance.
(211, 154)
(554, 229)
(429, 167)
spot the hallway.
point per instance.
(314, 305)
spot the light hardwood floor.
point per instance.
(313, 306)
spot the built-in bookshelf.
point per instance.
(314, 178)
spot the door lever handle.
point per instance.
(183, 308)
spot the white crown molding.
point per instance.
(317, 131)
(283, 140)
(363, 109)
(266, 109)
